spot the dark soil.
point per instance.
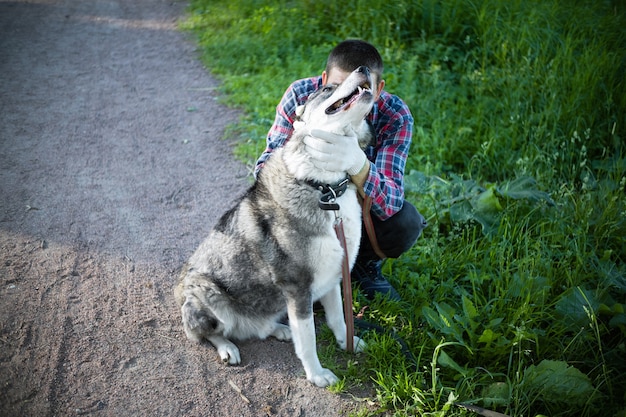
(112, 170)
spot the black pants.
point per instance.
(395, 235)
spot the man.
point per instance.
(378, 172)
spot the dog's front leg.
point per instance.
(335, 319)
(300, 312)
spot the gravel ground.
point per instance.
(112, 170)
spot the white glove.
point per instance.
(334, 152)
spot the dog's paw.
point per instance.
(359, 344)
(229, 354)
(325, 378)
(282, 332)
(228, 351)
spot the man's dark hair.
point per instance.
(351, 54)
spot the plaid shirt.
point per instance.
(393, 125)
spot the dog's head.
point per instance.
(339, 108)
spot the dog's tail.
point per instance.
(198, 322)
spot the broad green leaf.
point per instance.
(444, 360)
(417, 182)
(468, 308)
(524, 188)
(487, 201)
(619, 321)
(488, 337)
(461, 212)
(498, 393)
(574, 307)
(443, 320)
(523, 285)
(558, 383)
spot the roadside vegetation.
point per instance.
(514, 297)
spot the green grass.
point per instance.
(515, 295)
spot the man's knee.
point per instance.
(413, 221)
(408, 228)
(399, 233)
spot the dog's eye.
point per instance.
(326, 89)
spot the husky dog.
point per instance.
(276, 251)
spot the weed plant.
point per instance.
(514, 298)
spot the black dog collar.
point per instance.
(330, 193)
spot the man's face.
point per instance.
(337, 76)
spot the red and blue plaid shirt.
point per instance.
(393, 124)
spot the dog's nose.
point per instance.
(365, 70)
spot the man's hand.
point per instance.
(334, 152)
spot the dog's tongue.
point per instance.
(346, 102)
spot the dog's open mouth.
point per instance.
(346, 102)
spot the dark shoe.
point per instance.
(369, 278)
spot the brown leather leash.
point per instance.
(366, 204)
(346, 284)
(328, 202)
(369, 226)
(345, 267)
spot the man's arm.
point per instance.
(393, 124)
(360, 177)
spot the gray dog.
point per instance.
(276, 251)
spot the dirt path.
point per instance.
(112, 170)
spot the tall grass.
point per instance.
(514, 298)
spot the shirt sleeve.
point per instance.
(393, 124)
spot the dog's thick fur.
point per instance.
(276, 251)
